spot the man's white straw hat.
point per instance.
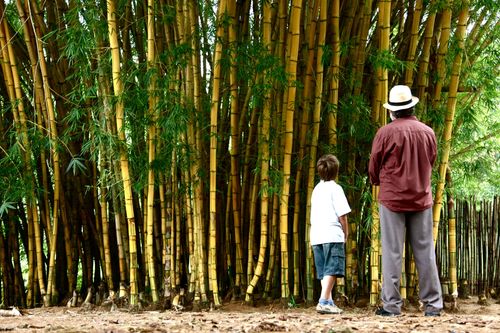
(400, 98)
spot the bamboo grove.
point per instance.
(153, 149)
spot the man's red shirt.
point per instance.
(403, 153)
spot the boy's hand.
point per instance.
(345, 227)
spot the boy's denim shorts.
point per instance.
(329, 259)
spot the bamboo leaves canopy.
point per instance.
(167, 148)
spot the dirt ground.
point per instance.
(237, 317)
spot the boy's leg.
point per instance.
(325, 303)
(326, 287)
(323, 257)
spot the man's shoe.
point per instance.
(328, 309)
(384, 313)
(432, 313)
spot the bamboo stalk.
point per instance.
(452, 245)
(380, 118)
(417, 13)
(264, 174)
(273, 248)
(423, 67)
(11, 75)
(153, 101)
(451, 106)
(252, 239)
(235, 132)
(53, 134)
(124, 163)
(212, 262)
(303, 126)
(294, 31)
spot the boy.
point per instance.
(329, 230)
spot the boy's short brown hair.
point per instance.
(328, 167)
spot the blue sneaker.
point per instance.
(328, 309)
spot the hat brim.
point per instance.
(414, 101)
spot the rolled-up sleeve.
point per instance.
(375, 159)
(433, 149)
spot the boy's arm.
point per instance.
(345, 226)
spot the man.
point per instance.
(401, 161)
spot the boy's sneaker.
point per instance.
(382, 312)
(328, 309)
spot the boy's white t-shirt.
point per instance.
(328, 202)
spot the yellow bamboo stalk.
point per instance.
(97, 216)
(165, 192)
(212, 262)
(361, 48)
(335, 69)
(176, 216)
(153, 101)
(200, 254)
(315, 124)
(120, 240)
(384, 33)
(404, 281)
(450, 115)
(441, 53)
(264, 165)
(235, 139)
(191, 199)
(42, 110)
(381, 118)
(193, 97)
(47, 100)
(251, 226)
(417, 13)
(194, 74)
(108, 273)
(304, 125)
(360, 57)
(11, 75)
(124, 163)
(196, 234)
(452, 243)
(103, 87)
(241, 281)
(334, 101)
(375, 250)
(423, 67)
(105, 92)
(411, 278)
(294, 31)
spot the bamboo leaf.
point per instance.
(6, 206)
(76, 164)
